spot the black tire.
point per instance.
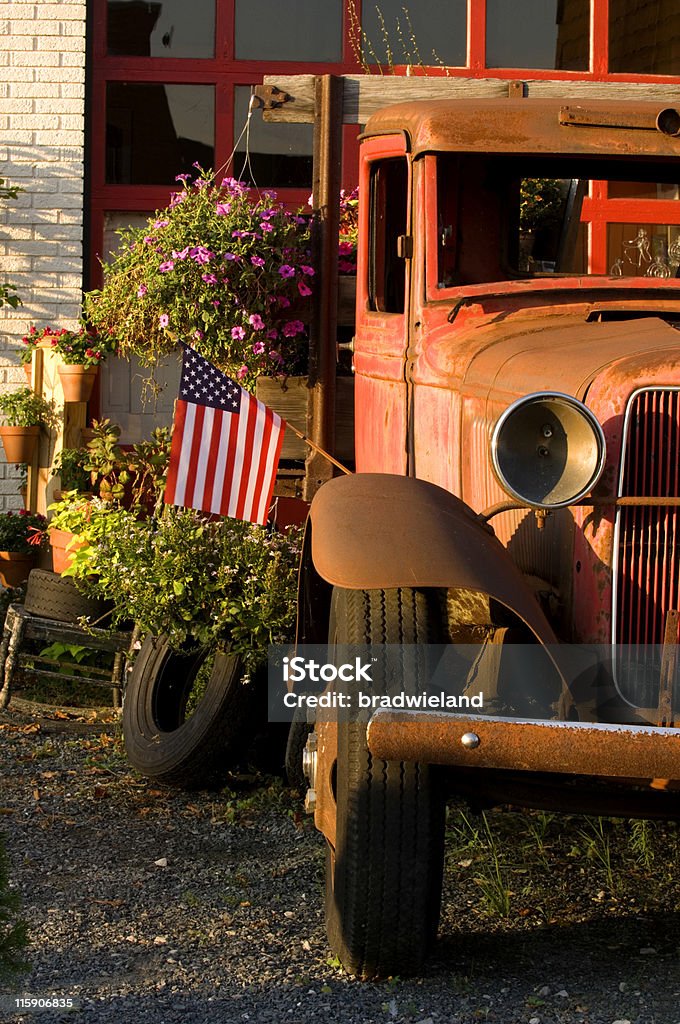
(161, 740)
(51, 596)
(384, 877)
(297, 740)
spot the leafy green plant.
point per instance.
(8, 292)
(13, 931)
(641, 842)
(69, 466)
(196, 580)
(223, 267)
(22, 532)
(24, 408)
(540, 202)
(75, 348)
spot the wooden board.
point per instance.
(364, 94)
(291, 400)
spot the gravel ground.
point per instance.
(155, 905)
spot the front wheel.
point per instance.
(384, 875)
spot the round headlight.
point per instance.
(548, 450)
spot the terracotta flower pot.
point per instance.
(28, 370)
(62, 548)
(15, 567)
(19, 442)
(77, 382)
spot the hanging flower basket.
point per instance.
(77, 382)
(19, 443)
(15, 567)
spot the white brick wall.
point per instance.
(42, 105)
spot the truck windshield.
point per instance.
(504, 217)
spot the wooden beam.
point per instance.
(364, 94)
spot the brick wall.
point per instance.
(42, 98)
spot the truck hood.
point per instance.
(563, 354)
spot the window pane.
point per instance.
(644, 36)
(387, 270)
(643, 250)
(429, 32)
(273, 154)
(169, 28)
(154, 132)
(642, 190)
(298, 30)
(550, 34)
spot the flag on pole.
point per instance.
(225, 445)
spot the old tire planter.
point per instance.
(384, 876)
(51, 596)
(166, 743)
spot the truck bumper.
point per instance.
(645, 753)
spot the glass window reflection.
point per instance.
(155, 131)
(163, 28)
(271, 154)
(551, 34)
(427, 33)
(644, 36)
(305, 30)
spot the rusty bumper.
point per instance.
(579, 748)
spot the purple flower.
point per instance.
(148, 239)
(345, 248)
(163, 320)
(309, 271)
(242, 372)
(161, 224)
(176, 198)
(198, 335)
(258, 348)
(237, 333)
(266, 226)
(199, 254)
(231, 256)
(257, 261)
(272, 334)
(222, 209)
(283, 302)
(141, 291)
(182, 254)
(182, 177)
(216, 303)
(285, 270)
(345, 267)
(304, 289)
(293, 327)
(209, 278)
(256, 322)
(239, 234)
(165, 267)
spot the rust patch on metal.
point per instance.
(609, 751)
(669, 668)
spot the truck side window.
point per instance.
(388, 206)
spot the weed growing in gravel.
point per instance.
(524, 865)
(13, 932)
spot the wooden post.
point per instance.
(323, 334)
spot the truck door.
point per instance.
(383, 274)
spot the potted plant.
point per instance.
(223, 267)
(69, 466)
(25, 413)
(81, 352)
(21, 535)
(29, 342)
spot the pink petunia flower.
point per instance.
(304, 289)
(256, 321)
(242, 372)
(166, 267)
(163, 320)
(285, 270)
(238, 333)
(309, 271)
(141, 291)
(222, 209)
(257, 261)
(258, 348)
(209, 278)
(293, 327)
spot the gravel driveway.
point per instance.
(153, 905)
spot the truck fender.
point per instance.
(381, 531)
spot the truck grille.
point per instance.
(647, 557)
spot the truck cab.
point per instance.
(511, 532)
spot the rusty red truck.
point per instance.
(517, 487)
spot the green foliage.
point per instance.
(21, 532)
(540, 202)
(13, 932)
(8, 292)
(179, 573)
(24, 408)
(136, 475)
(69, 466)
(222, 267)
(75, 348)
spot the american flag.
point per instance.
(225, 445)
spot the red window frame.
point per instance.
(225, 72)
